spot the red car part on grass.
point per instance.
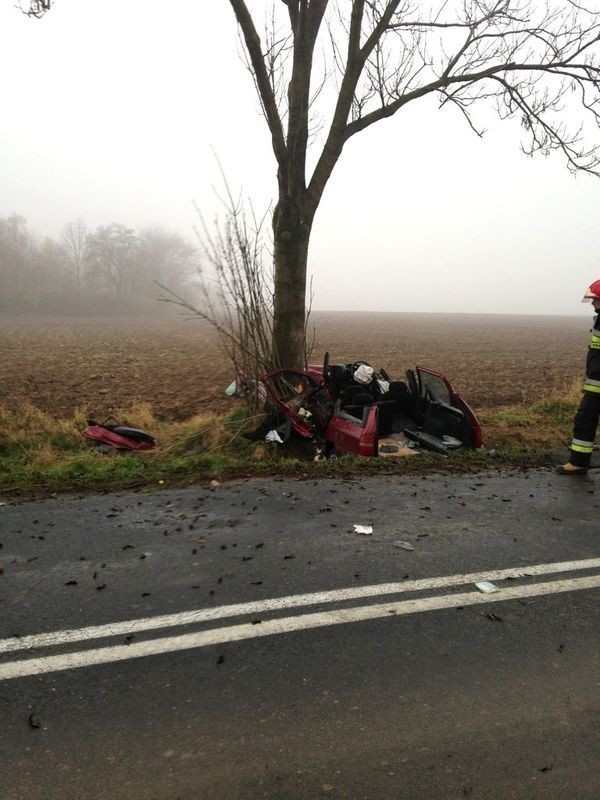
(119, 437)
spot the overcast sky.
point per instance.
(111, 111)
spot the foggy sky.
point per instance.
(111, 111)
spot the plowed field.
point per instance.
(176, 366)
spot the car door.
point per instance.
(443, 411)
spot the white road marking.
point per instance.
(274, 604)
(236, 633)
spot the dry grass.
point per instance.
(168, 377)
(28, 429)
(39, 451)
(46, 439)
(544, 425)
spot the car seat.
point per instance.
(400, 393)
(337, 377)
(349, 393)
(385, 417)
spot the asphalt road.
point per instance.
(228, 681)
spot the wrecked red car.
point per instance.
(354, 409)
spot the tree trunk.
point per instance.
(291, 232)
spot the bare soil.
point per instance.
(176, 364)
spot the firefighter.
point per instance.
(588, 413)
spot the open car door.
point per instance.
(444, 413)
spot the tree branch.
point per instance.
(261, 76)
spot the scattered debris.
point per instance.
(273, 436)
(366, 530)
(397, 446)
(34, 721)
(451, 442)
(492, 616)
(403, 545)
(388, 448)
(486, 587)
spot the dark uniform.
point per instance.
(588, 413)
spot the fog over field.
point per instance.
(113, 113)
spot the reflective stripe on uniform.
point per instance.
(591, 385)
(579, 446)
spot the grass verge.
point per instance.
(40, 454)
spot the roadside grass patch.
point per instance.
(41, 453)
(38, 452)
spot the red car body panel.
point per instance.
(101, 435)
(304, 427)
(345, 436)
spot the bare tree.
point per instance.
(18, 248)
(75, 243)
(167, 258)
(235, 293)
(113, 260)
(37, 8)
(535, 61)
(48, 275)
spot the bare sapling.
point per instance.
(236, 292)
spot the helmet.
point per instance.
(592, 293)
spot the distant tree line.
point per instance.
(111, 269)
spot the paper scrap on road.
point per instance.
(486, 587)
(367, 530)
(404, 545)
